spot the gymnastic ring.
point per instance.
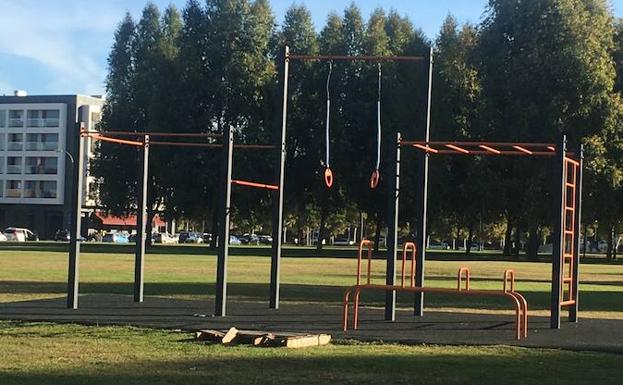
(374, 178)
(328, 177)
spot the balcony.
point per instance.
(16, 122)
(41, 170)
(14, 146)
(43, 122)
(14, 169)
(13, 193)
(41, 146)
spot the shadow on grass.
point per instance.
(334, 365)
(590, 300)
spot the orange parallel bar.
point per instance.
(520, 304)
(254, 184)
(457, 148)
(186, 144)
(505, 152)
(408, 246)
(426, 148)
(490, 149)
(551, 148)
(114, 140)
(460, 276)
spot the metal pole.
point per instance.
(392, 230)
(280, 138)
(422, 201)
(73, 276)
(223, 243)
(573, 309)
(559, 235)
(141, 219)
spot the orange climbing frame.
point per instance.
(518, 301)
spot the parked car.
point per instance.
(265, 239)
(163, 238)
(207, 237)
(190, 237)
(17, 234)
(437, 245)
(116, 238)
(250, 239)
(2, 237)
(234, 240)
(62, 235)
(343, 241)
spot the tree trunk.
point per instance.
(584, 241)
(508, 242)
(470, 237)
(532, 250)
(323, 223)
(377, 231)
(516, 242)
(610, 242)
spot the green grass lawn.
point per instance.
(40, 353)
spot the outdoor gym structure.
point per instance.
(565, 261)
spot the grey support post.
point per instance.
(573, 309)
(422, 200)
(224, 218)
(280, 139)
(559, 236)
(141, 219)
(73, 277)
(392, 227)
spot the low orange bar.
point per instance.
(186, 144)
(254, 184)
(155, 134)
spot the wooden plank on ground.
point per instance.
(209, 335)
(229, 336)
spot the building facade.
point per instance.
(38, 144)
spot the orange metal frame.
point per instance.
(483, 148)
(254, 184)
(568, 253)
(518, 301)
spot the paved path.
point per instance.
(433, 328)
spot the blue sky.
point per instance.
(60, 46)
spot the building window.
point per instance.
(2, 118)
(40, 189)
(1, 165)
(41, 165)
(13, 188)
(14, 165)
(1, 188)
(41, 142)
(2, 141)
(15, 142)
(16, 118)
(43, 118)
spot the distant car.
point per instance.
(234, 240)
(116, 238)
(17, 234)
(250, 239)
(207, 237)
(163, 238)
(2, 237)
(434, 245)
(265, 239)
(62, 235)
(343, 241)
(190, 237)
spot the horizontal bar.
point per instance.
(522, 149)
(496, 144)
(254, 184)
(113, 140)
(167, 134)
(426, 148)
(457, 148)
(490, 149)
(185, 144)
(355, 58)
(567, 303)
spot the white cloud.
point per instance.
(70, 39)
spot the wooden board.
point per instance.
(262, 338)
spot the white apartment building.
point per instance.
(38, 143)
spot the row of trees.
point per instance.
(530, 71)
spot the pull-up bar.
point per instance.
(114, 140)
(355, 58)
(102, 136)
